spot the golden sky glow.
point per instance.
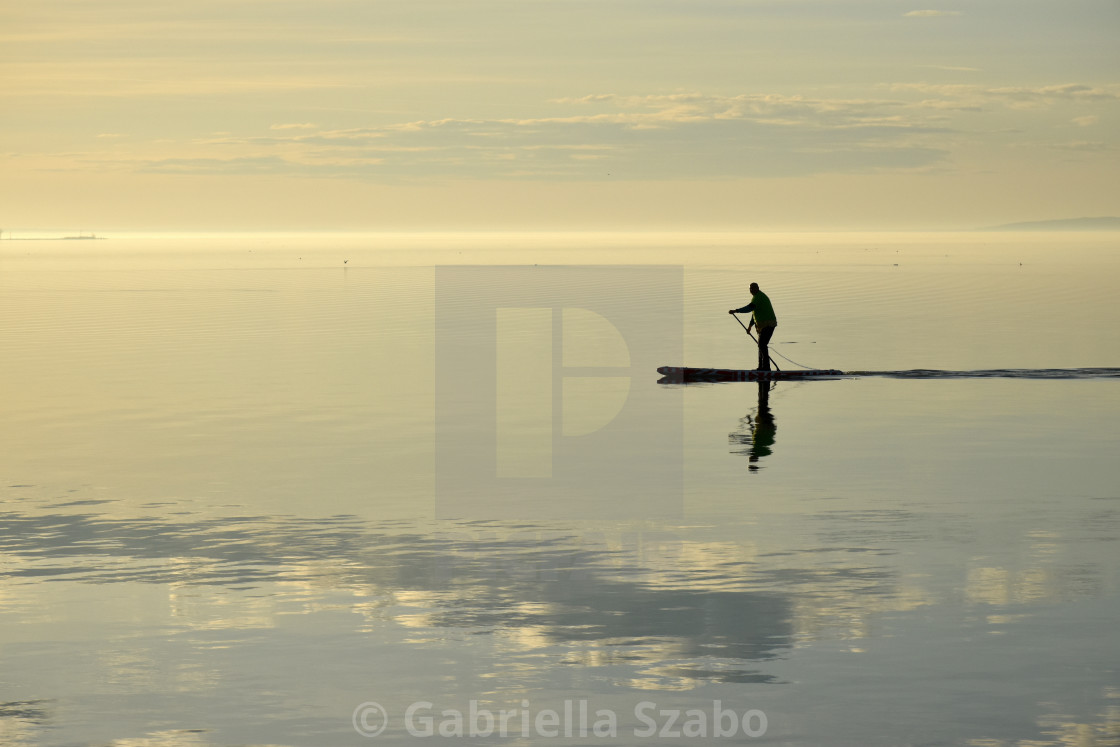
(443, 114)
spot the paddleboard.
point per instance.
(678, 373)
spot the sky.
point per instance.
(557, 114)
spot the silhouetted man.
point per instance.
(764, 318)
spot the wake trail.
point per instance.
(997, 373)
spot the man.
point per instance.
(763, 317)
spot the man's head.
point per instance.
(754, 287)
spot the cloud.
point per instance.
(948, 105)
(640, 136)
(775, 109)
(686, 135)
(953, 68)
(1086, 121)
(261, 165)
(160, 79)
(969, 97)
(931, 13)
(1076, 91)
(1085, 146)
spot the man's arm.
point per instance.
(744, 310)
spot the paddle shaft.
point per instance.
(750, 335)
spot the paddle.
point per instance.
(775, 365)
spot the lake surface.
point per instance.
(252, 484)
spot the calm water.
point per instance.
(239, 498)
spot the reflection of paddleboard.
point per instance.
(675, 373)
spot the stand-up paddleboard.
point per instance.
(677, 373)
(680, 374)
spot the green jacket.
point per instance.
(761, 308)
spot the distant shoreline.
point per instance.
(54, 238)
(1068, 224)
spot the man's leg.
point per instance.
(764, 336)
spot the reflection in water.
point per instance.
(20, 721)
(668, 612)
(533, 587)
(757, 432)
(1060, 730)
(527, 607)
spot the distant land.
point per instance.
(1069, 224)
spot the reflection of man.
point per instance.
(763, 317)
(759, 431)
